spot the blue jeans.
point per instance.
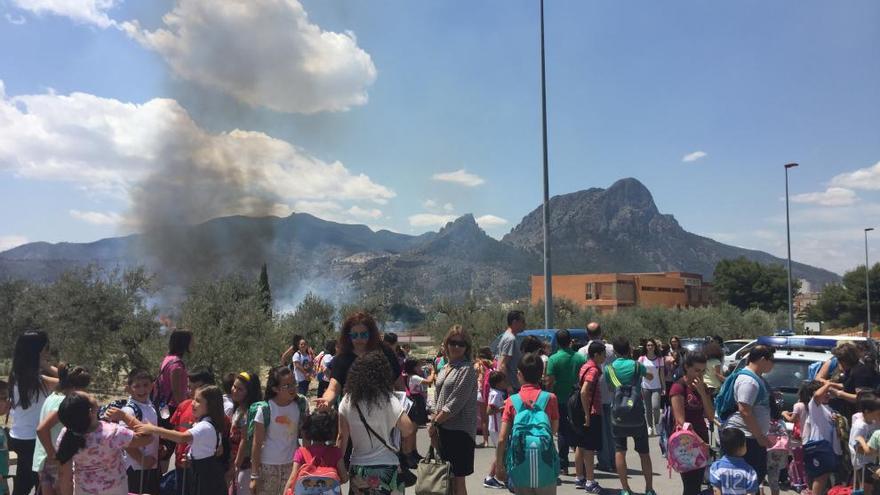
(606, 455)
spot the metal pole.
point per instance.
(788, 242)
(548, 274)
(867, 287)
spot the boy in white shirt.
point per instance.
(142, 462)
(494, 405)
(865, 424)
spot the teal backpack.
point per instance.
(254, 409)
(725, 402)
(532, 460)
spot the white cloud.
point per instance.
(429, 203)
(16, 20)
(109, 146)
(448, 207)
(692, 157)
(430, 220)
(82, 11)
(459, 177)
(97, 217)
(8, 242)
(358, 212)
(833, 196)
(434, 205)
(263, 52)
(489, 221)
(864, 178)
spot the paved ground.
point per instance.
(663, 484)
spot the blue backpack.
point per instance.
(725, 402)
(532, 460)
(814, 368)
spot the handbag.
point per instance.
(819, 457)
(404, 474)
(434, 475)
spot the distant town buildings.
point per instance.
(607, 292)
(804, 298)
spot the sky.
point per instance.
(404, 115)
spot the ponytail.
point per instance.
(75, 413)
(71, 379)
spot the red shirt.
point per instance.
(182, 419)
(591, 373)
(528, 393)
(693, 408)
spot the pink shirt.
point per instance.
(99, 468)
(165, 378)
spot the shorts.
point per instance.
(590, 438)
(493, 438)
(457, 447)
(641, 443)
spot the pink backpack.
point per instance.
(686, 451)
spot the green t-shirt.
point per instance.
(624, 369)
(50, 405)
(564, 366)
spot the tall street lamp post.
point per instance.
(548, 274)
(788, 242)
(867, 286)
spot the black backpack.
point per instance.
(575, 407)
(627, 408)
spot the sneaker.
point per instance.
(624, 492)
(579, 483)
(491, 482)
(593, 487)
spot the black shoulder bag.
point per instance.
(404, 473)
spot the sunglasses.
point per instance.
(359, 335)
(456, 343)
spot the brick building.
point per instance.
(610, 291)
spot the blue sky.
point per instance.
(388, 97)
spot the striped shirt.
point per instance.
(733, 476)
(455, 390)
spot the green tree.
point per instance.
(844, 304)
(265, 291)
(748, 284)
(313, 319)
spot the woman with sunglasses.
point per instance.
(454, 424)
(358, 336)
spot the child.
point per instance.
(777, 453)
(245, 391)
(206, 452)
(94, 447)
(730, 475)
(797, 475)
(484, 366)
(864, 424)
(275, 443)
(320, 429)
(823, 461)
(4, 448)
(69, 380)
(494, 406)
(416, 391)
(143, 466)
(228, 380)
(533, 467)
(182, 420)
(589, 441)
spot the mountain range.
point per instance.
(618, 229)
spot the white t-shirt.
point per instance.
(496, 398)
(25, 421)
(800, 410)
(325, 364)
(820, 417)
(282, 434)
(306, 362)
(205, 440)
(367, 450)
(653, 366)
(228, 406)
(152, 450)
(860, 428)
(415, 385)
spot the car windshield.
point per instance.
(788, 375)
(731, 347)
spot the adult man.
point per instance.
(508, 351)
(752, 413)
(561, 375)
(606, 453)
(626, 372)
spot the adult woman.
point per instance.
(172, 382)
(245, 391)
(455, 411)
(654, 388)
(31, 380)
(368, 413)
(692, 404)
(358, 336)
(713, 378)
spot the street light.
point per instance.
(548, 274)
(788, 242)
(867, 286)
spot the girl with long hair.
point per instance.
(70, 380)
(655, 388)
(368, 412)
(172, 381)
(713, 377)
(691, 403)
(358, 336)
(30, 381)
(90, 452)
(484, 365)
(206, 452)
(245, 391)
